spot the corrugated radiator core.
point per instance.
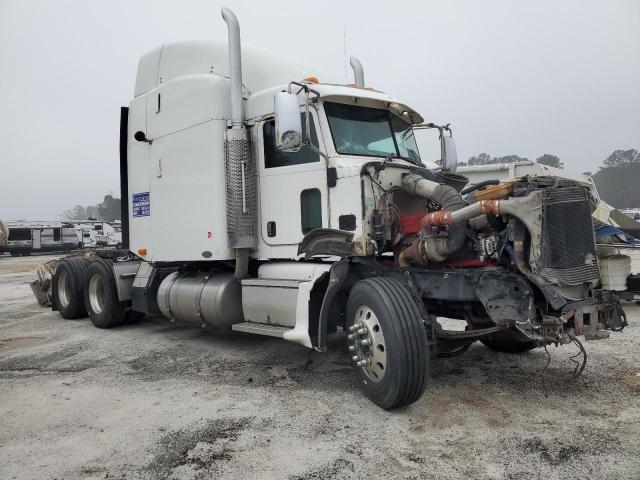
(241, 185)
(568, 242)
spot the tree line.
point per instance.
(486, 159)
(108, 210)
(617, 179)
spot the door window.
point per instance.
(310, 210)
(275, 158)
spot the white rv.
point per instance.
(98, 233)
(27, 237)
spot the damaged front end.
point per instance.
(533, 239)
(516, 260)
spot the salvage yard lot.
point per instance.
(158, 400)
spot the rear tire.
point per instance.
(68, 287)
(399, 352)
(101, 296)
(508, 341)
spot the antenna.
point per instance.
(344, 47)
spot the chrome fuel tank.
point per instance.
(202, 297)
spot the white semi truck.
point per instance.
(260, 199)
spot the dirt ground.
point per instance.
(161, 400)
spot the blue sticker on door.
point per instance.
(141, 205)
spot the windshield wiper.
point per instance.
(389, 158)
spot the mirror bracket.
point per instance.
(306, 140)
(448, 154)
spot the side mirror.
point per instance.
(288, 122)
(449, 154)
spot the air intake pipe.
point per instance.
(358, 72)
(437, 248)
(240, 171)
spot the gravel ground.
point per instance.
(161, 400)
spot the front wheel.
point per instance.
(387, 342)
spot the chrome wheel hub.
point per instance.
(366, 344)
(63, 289)
(96, 294)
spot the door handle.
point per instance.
(271, 229)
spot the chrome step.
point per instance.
(260, 329)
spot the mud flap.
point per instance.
(338, 276)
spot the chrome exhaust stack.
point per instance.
(235, 67)
(358, 72)
(240, 168)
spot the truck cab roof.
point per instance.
(263, 74)
(260, 69)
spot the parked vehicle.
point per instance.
(98, 233)
(274, 204)
(4, 234)
(632, 213)
(25, 238)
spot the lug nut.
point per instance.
(352, 348)
(362, 363)
(355, 327)
(351, 336)
(362, 331)
(356, 358)
(365, 341)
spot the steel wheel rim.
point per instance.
(96, 294)
(369, 344)
(63, 289)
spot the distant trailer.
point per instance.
(98, 233)
(23, 240)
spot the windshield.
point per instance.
(370, 132)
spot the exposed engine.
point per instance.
(537, 227)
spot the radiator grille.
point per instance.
(241, 202)
(568, 244)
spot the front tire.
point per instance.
(382, 312)
(101, 296)
(68, 287)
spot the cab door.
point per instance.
(293, 188)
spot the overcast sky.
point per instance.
(527, 78)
